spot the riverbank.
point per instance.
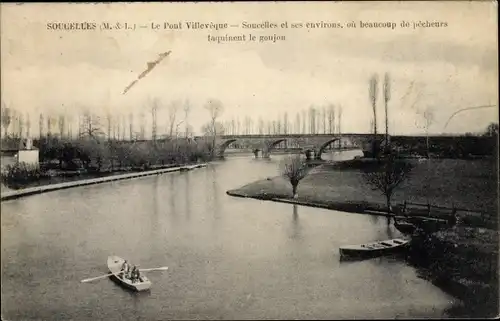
(463, 261)
(13, 194)
(448, 183)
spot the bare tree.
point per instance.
(109, 125)
(49, 125)
(154, 110)
(173, 123)
(142, 129)
(251, 125)
(233, 126)
(69, 122)
(215, 109)
(312, 120)
(373, 92)
(261, 126)
(331, 119)
(339, 126)
(324, 120)
(296, 126)
(187, 109)
(294, 168)
(304, 122)
(387, 97)
(123, 120)
(131, 126)
(6, 119)
(40, 126)
(491, 130)
(62, 125)
(28, 125)
(387, 176)
(247, 125)
(20, 128)
(90, 126)
(285, 123)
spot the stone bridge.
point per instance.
(309, 144)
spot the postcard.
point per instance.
(249, 160)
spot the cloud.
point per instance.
(453, 67)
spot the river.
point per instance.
(228, 258)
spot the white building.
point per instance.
(25, 153)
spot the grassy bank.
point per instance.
(463, 261)
(460, 183)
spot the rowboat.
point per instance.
(373, 249)
(115, 264)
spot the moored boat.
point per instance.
(373, 249)
(115, 264)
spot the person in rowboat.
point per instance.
(125, 269)
(135, 274)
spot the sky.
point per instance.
(439, 69)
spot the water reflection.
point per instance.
(295, 235)
(172, 192)
(187, 197)
(227, 248)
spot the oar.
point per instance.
(163, 268)
(99, 277)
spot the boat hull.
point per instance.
(371, 250)
(114, 265)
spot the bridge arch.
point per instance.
(325, 145)
(222, 147)
(276, 142)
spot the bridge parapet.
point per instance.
(266, 143)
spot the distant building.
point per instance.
(25, 152)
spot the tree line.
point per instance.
(313, 120)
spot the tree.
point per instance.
(296, 126)
(260, 125)
(90, 126)
(387, 175)
(20, 120)
(331, 119)
(28, 126)
(373, 92)
(312, 120)
(154, 110)
(40, 126)
(324, 120)
(491, 130)
(215, 109)
(62, 125)
(142, 129)
(339, 125)
(6, 119)
(109, 126)
(285, 123)
(294, 168)
(304, 122)
(131, 126)
(187, 109)
(387, 97)
(173, 124)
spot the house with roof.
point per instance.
(19, 151)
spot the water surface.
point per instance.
(228, 257)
